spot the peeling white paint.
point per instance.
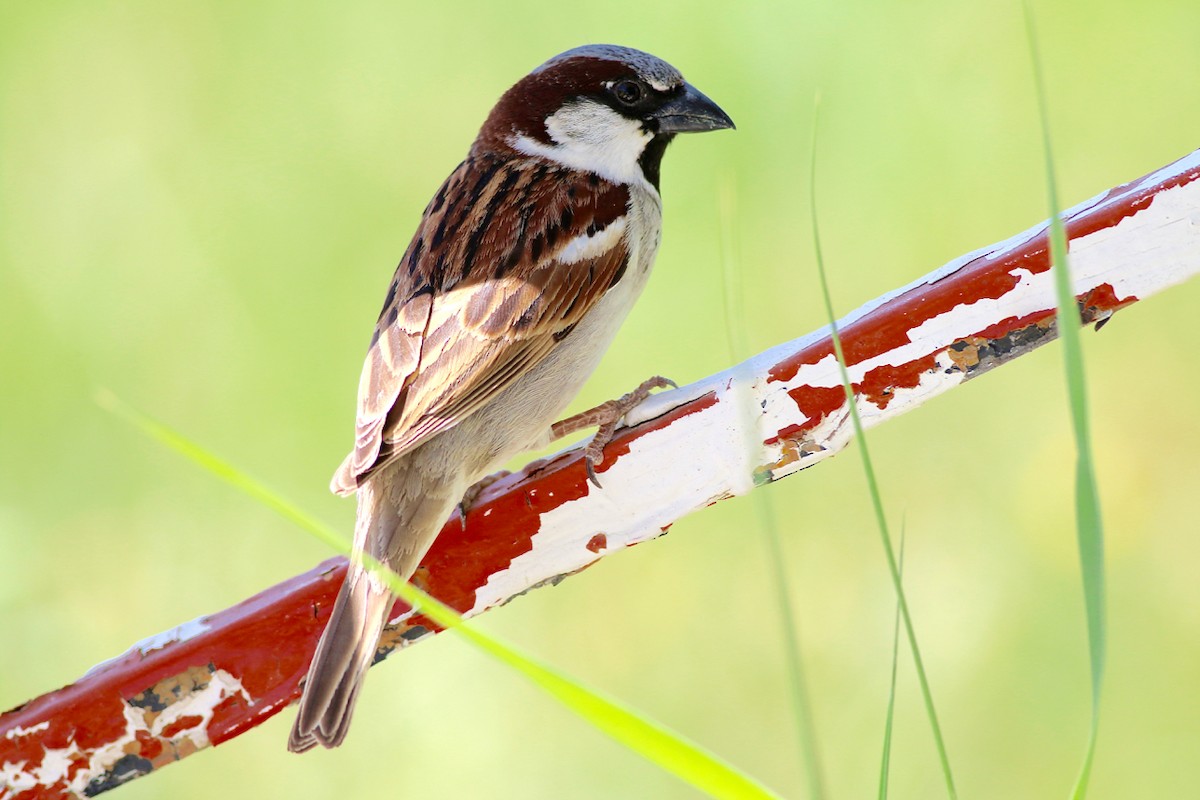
(200, 704)
(1149, 251)
(18, 731)
(698, 459)
(1156, 248)
(714, 452)
(835, 431)
(180, 633)
(55, 763)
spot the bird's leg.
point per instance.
(605, 417)
(474, 490)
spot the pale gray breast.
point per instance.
(644, 232)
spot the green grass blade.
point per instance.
(891, 706)
(735, 332)
(869, 470)
(655, 742)
(1089, 530)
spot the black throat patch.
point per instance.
(651, 158)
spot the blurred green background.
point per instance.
(201, 206)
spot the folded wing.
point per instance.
(510, 255)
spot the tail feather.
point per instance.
(340, 663)
(397, 521)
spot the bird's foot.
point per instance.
(606, 417)
(474, 490)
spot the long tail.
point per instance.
(340, 663)
(399, 514)
(347, 647)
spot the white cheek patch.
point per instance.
(592, 137)
(585, 246)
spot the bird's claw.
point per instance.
(608, 416)
(590, 465)
(474, 490)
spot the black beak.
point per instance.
(690, 112)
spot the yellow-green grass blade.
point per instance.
(653, 741)
(869, 471)
(1089, 529)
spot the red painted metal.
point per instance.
(260, 648)
(987, 277)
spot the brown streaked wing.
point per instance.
(479, 298)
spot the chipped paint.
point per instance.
(168, 696)
(710, 451)
(17, 731)
(180, 633)
(164, 723)
(781, 411)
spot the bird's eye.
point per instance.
(627, 92)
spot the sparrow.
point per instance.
(523, 266)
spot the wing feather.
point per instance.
(510, 255)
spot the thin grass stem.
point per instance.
(735, 332)
(1089, 528)
(885, 766)
(872, 483)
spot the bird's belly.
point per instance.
(519, 418)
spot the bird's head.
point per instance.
(600, 108)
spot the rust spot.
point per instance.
(974, 355)
(1013, 336)
(964, 353)
(598, 543)
(147, 751)
(887, 329)
(181, 749)
(127, 767)
(989, 276)
(796, 448)
(171, 690)
(1008, 325)
(397, 637)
